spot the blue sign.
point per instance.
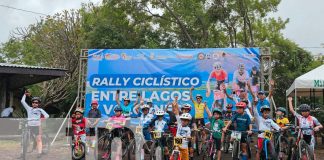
(160, 75)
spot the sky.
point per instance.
(306, 26)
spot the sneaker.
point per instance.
(93, 144)
(230, 147)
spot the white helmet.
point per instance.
(186, 106)
(217, 66)
(145, 106)
(185, 116)
(159, 112)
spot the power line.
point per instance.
(1, 5)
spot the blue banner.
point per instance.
(160, 75)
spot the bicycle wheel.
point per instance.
(306, 152)
(153, 149)
(291, 149)
(78, 153)
(235, 152)
(25, 141)
(205, 151)
(198, 142)
(45, 143)
(226, 143)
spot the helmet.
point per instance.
(245, 101)
(217, 110)
(254, 68)
(264, 107)
(229, 106)
(127, 99)
(149, 101)
(117, 108)
(185, 116)
(94, 102)
(241, 105)
(217, 66)
(159, 112)
(186, 106)
(282, 109)
(145, 106)
(36, 99)
(198, 95)
(241, 66)
(260, 92)
(304, 107)
(79, 110)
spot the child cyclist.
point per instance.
(216, 125)
(281, 120)
(79, 124)
(183, 130)
(243, 123)
(264, 123)
(117, 121)
(160, 124)
(305, 120)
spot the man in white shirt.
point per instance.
(7, 112)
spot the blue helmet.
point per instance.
(116, 109)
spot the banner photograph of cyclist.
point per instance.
(160, 75)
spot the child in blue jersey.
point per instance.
(126, 105)
(145, 119)
(160, 124)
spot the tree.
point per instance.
(55, 42)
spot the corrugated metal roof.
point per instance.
(29, 67)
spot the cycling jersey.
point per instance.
(160, 125)
(216, 125)
(80, 128)
(34, 114)
(183, 131)
(308, 122)
(219, 75)
(199, 110)
(282, 121)
(264, 124)
(237, 77)
(126, 110)
(241, 121)
(145, 120)
(117, 121)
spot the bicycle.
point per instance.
(208, 149)
(264, 154)
(236, 136)
(78, 148)
(27, 136)
(227, 138)
(105, 142)
(157, 142)
(138, 142)
(198, 137)
(302, 150)
(282, 144)
(177, 142)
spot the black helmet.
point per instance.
(36, 99)
(304, 107)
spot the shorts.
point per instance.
(173, 130)
(199, 122)
(217, 143)
(147, 134)
(117, 132)
(35, 131)
(310, 140)
(92, 131)
(244, 138)
(218, 84)
(184, 152)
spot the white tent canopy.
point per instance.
(310, 83)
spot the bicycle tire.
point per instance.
(45, 143)
(198, 141)
(292, 149)
(308, 150)
(83, 149)
(24, 144)
(152, 153)
(226, 143)
(235, 151)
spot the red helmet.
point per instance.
(241, 105)
(94, 102)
